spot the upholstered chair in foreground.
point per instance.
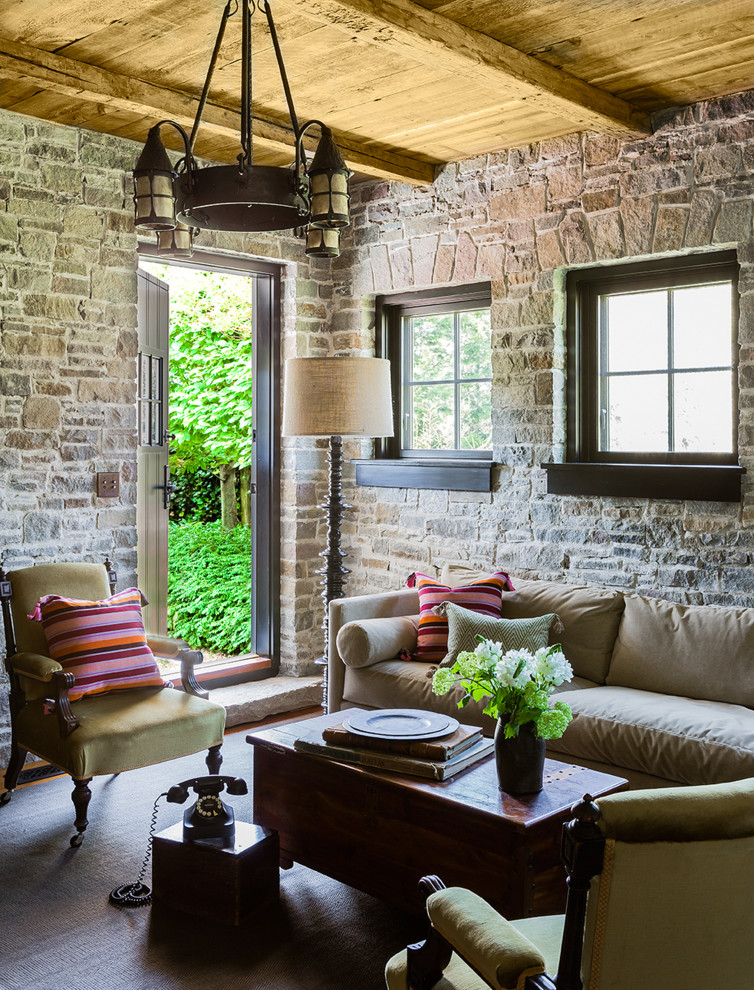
(117, 725)
(659, 898)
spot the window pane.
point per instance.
(635, 331)
(475, 346)
(156, 372)
(433, 348)
(143, 423)
(476, 416)
(702, 335)
(155, 411)
(433, 417)
(637, 416)
(144, 376)
(703, 412)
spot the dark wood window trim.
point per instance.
(392, 466)
(267, 373)
(590, 471)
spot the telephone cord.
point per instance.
(138, 894)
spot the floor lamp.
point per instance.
(336, 397)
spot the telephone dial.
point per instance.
(208, 817)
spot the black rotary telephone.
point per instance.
(208, 817)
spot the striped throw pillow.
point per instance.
(483, 596)
(103, 644)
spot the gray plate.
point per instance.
(401, 723)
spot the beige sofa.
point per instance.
(662, 693)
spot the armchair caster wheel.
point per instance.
(76, 840)
(5, 797)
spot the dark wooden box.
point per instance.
(225, 884)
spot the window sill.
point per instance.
(461, 475)
(704, 483)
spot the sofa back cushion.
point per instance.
(697, 651)
(590, 618)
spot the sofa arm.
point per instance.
(366, 641)
(484, 939)
(343, 610)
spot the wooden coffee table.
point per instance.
(381, 832)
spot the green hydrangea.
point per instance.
(443, 680)
(552, 723)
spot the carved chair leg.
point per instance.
(80, 797)
(214, 759)
(15, 766)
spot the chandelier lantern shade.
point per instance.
(154, 201)
(322, 242)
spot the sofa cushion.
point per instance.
(685, 740)
(699, 651)
(465, 626)
(590, 618)
(406, 684)
(481, 596)
(365, 641)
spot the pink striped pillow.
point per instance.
(483, 596)
(103, 644)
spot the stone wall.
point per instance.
(519, 219)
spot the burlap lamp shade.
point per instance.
(337, 396)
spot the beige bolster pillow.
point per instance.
(366, 641)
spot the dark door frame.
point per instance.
(266, 279)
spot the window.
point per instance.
(150, 400)
(652, 380)
(439, 343)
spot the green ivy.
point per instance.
(209, 586)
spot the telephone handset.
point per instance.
(208, 817)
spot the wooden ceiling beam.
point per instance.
(435, 40)
(81, 81)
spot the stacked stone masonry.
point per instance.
(518, 218)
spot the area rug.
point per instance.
(57, 928)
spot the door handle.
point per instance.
(168, 488)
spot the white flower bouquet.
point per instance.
(518, 684)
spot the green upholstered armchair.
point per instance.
(659, 898)
(98, 734)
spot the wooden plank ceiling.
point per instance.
(405, 85)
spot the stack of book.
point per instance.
(437, 759)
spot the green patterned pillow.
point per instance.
(514, 634)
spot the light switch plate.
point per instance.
(108, 484)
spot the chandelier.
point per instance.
(310, 196)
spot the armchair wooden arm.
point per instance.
(179, 649)
(60, 703)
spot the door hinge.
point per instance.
(252, 488)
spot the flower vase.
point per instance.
(520, 761)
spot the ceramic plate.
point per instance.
(401, 723)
